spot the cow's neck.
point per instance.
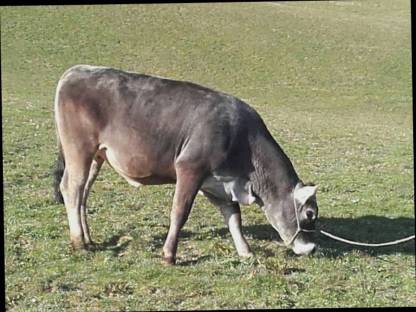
(274, 176)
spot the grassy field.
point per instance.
(332, 80)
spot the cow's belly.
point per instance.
(135, 167)
(140, 169)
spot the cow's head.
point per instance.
(294, 216)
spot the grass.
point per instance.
(332, 81)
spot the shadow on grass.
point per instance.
(159, 240)
(113, 244)
(193, 261)
(368, 229)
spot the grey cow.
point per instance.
(153, 130)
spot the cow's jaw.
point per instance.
(280, 229)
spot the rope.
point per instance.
(399, 241)
(337, 238)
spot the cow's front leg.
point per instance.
(187, 185)
(232, 217)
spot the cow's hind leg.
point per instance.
(72, 189)
(93, 173)
(232, 218)
(187, 185)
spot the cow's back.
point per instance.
(155, 120)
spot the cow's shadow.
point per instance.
(370, 229)
(367, 229)
(113, 243)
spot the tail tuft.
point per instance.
(58, 172)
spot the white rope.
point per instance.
(337, 238)
(399, 241)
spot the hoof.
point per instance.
(247, 255)
(78, 246)
(168, 260)
(91, 246)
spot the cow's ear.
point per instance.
(303, 193)
(241, 192)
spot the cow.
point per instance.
(153, 130)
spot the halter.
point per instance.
(299, 229)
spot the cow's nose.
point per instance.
(310, 214)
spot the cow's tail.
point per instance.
(59, 167)
(58, 172)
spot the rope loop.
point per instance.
(347, 241)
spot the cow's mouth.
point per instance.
(303, 248)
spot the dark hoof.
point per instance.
(168, 260)
(91, 246)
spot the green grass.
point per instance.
(332, 81)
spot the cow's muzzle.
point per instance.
(303, 248)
